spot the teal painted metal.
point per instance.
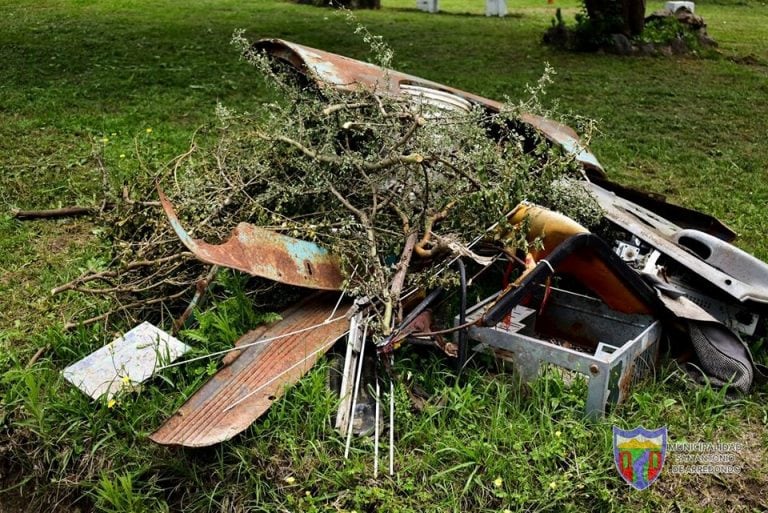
(265, 253)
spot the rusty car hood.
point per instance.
(343, 73)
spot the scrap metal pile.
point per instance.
(597, 302)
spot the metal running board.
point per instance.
(263, 370)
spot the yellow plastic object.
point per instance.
(553, 228)
(550, 227)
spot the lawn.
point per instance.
(132, 81)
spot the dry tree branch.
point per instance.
(54, 213)
(362, 216)
(341, 106)
(296, 170)
(104, 182)
(398, 281)
(200, 288)
(413, 158)
(403, 218)
(367, 225)
(35, 357)
(181, 158)
(105, 275)
(127, 289)
(129, 201)
(388, 200)
(70, 325)
(458, 171)
(426, 239)
(417, 123)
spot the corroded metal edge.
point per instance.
(264, 253)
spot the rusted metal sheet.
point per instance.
(349, 74)
(264, 253)
(243, 390)
(565, 137)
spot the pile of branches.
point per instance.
(392, 185)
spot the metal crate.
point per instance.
(579, 333)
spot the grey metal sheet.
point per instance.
(663, 235)
(124, 362)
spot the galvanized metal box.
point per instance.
(496, 8)
(427, 5)
(579, 333)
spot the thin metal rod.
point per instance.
(341, 296)
(342, 415)
(258, 342)
(391, 425)
(357, 389)
(376, 431)
(462, 338)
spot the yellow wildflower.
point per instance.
(149, 130)
(111, 403)
(498, 482)
(290, 480)
(558, 433)
(553, 485)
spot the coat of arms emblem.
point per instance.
(639, 454)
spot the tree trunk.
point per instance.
(634, 16)
(611, 16)
(595, 9)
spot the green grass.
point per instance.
(76, 73)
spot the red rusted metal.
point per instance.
(247, 385)
(329, 69)
(264, 253)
